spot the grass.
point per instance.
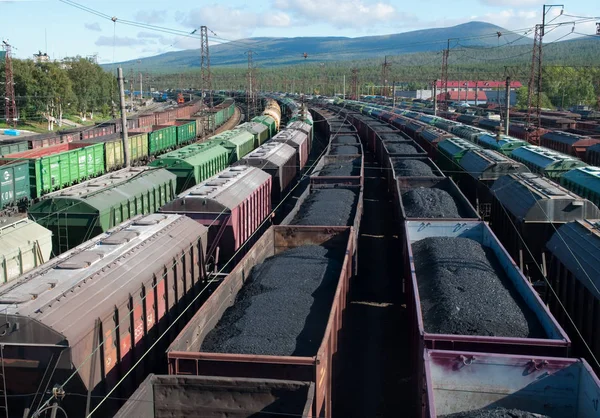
(28, 126)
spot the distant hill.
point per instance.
(271, 52)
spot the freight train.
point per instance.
(77, 213)
(87, 343)
(541, 225)
(51, 162)
(583, 179)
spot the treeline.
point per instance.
(562, 86)
(74, 87)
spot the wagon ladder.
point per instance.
(3, 394)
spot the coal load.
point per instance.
(327, 207)
(344, 139)
(412, 168)
(400, 148)
(344, 150)
(343, 168)
(283, 308)
(495, 413)
(429, 203)
(464, 291)
(392, 137)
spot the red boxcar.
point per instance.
(233, 204)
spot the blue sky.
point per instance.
(71, 31)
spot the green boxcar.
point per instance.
(186, 132)
(197, 122)
(583, 181)
(450, 152)
(162, 139)
(260, 132)
(269, 122)
(13, 147)
(55, 167)
(238, 142)
(81, 212)
(194, 163)
(15, 186)
(113, 149)
(503, 143)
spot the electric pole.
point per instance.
(507, 104)
(435, 100)
(10, 105)
(384, 76)
(354, 84)
(206, 78)
(250, 89)
(535, 76)
(123, 116)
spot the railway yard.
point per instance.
(330, 258)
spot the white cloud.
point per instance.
(512, 3)
(151, 16)
(149, 35)
(119, 41)
(232, 22)
(93, 26)
(353, 13)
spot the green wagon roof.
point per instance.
(101, 194)
(193, 155)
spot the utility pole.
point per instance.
(206, 78)
(354, 84)
(141, 88)
(394, 93)
(10, 105)
(535, 77)
(250, 96)
(435, 100)
(344, 88)
(444, 86)
(384, 76)
(323, 78)
(507, 104)
(123, 117)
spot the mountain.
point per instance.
(479, 43)
(285, 51)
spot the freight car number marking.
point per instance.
(150, 319)
(7, 195)
(139, 331)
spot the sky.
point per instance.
(64, 30)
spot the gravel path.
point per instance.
(412, 168)
(464, 291)
(495, 413)
(341, 168)
(283, 308)
(429, 203)
(327, 207)
(401, 148)
(345, 150)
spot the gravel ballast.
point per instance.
(344, 139)
(412, 168)
(341, 168)
(345, 150)
(327, 207)
(495, 413)
(400, 148)
(429, 203)
(283, 308)
(464, 291)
